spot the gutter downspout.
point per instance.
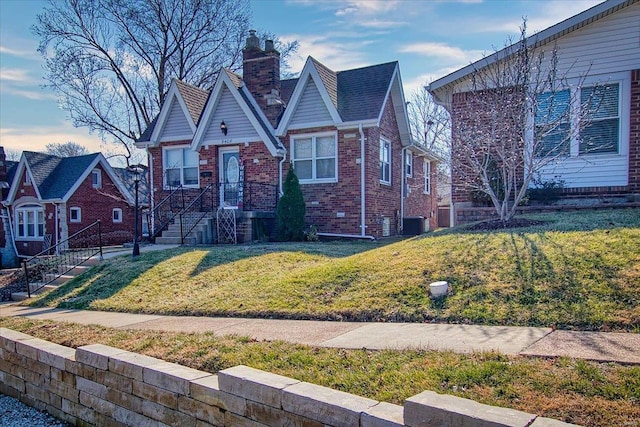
(13, 237)
(404, 185)
(280, 166)
(152, 199)
(362, 182)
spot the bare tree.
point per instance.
(68, 149)
(112, 61)
(430, 122)
(12, 155)
(516, 120)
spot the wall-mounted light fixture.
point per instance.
(223, 127)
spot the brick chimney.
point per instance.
(261, 74)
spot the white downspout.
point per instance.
(152, 199)
(362, 183)
(404, 185)
(13, 237)
(280, 166)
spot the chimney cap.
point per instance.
(269, 46)
(253, 42)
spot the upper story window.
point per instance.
(385, 161)
(75, 214)
(579, 121)
(30, 222)
(96, 178)
(315, 157)
(427, 176)
(409, 163)
(180, 167)
(27, 177)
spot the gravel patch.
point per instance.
(14, 413)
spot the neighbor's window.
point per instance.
(427, 177)
(552, 121)
(116, 215)
(96, 178)
(30, 222)
(409, 163)
(385, 161)
(180, 167)
(315, 157)
(75, 214)
(27, 177)
(600, 131)
(595, 108)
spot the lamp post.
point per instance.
(137, 171)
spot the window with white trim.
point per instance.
(181, 167)
(315, 157)
(96, 178)
(75, 214)
(579, 121)
(116, 215)
(409, 163)
(27, 177)
(385, 161)
(30, 222)
(427, 176)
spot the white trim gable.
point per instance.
(308, 72)
(396, 93)
(221, 91)
(168, 112)
(17, 180)
(108, 170)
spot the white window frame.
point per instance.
(79, 215)
(119, 216)
(385, 145)
(426, 168)
(97, 182)
(181, 166)
(27, 177)
(22, 233)
(624, 100)
(314, 158)
(409, 163)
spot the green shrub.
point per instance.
(290, 210)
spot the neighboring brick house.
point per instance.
(599, 46)
(345, 133)
(52, 198)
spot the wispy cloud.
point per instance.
(326, 49)
(29, 94)
(442, 51)
(15, 75)
(424, 79)
(20, 53)
(34, 138)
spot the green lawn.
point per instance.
(580, 270)
(576, 391)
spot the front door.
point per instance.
(231, 177)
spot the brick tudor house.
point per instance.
(345, 133)
(51, 198)
(600, 46)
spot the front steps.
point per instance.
(57, 282)
(202, 234)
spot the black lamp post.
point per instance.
(137, 171)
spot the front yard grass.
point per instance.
(575, 391)
(580, 270)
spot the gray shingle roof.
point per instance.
(54, 176)
(362, 91)
(194, 97)
(329, 80)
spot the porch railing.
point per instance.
(250, 196)
(50, 264)
(197, 209)
(165, 211)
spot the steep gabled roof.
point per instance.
(539, 39)
(194, 97)
(362, 92)
(56, 178)
(329, 80)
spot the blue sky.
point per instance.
(430, 38)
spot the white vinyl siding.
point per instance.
(311, 108)
(385, 161)
(239, 127)
(29, 223)
(176, 125)
(181, 167)
(315, 157)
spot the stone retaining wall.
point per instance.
(105, 386)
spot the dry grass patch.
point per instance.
(576, 391)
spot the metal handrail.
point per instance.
(187, 228)
(156, 213)
(65, 257)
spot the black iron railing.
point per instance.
(249, 196)
(52, 263)
(197, 209)
(165, 211)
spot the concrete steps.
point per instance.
(36, 288)
(202, 234)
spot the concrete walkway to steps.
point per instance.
(543, 342)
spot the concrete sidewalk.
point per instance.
(543, 342)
